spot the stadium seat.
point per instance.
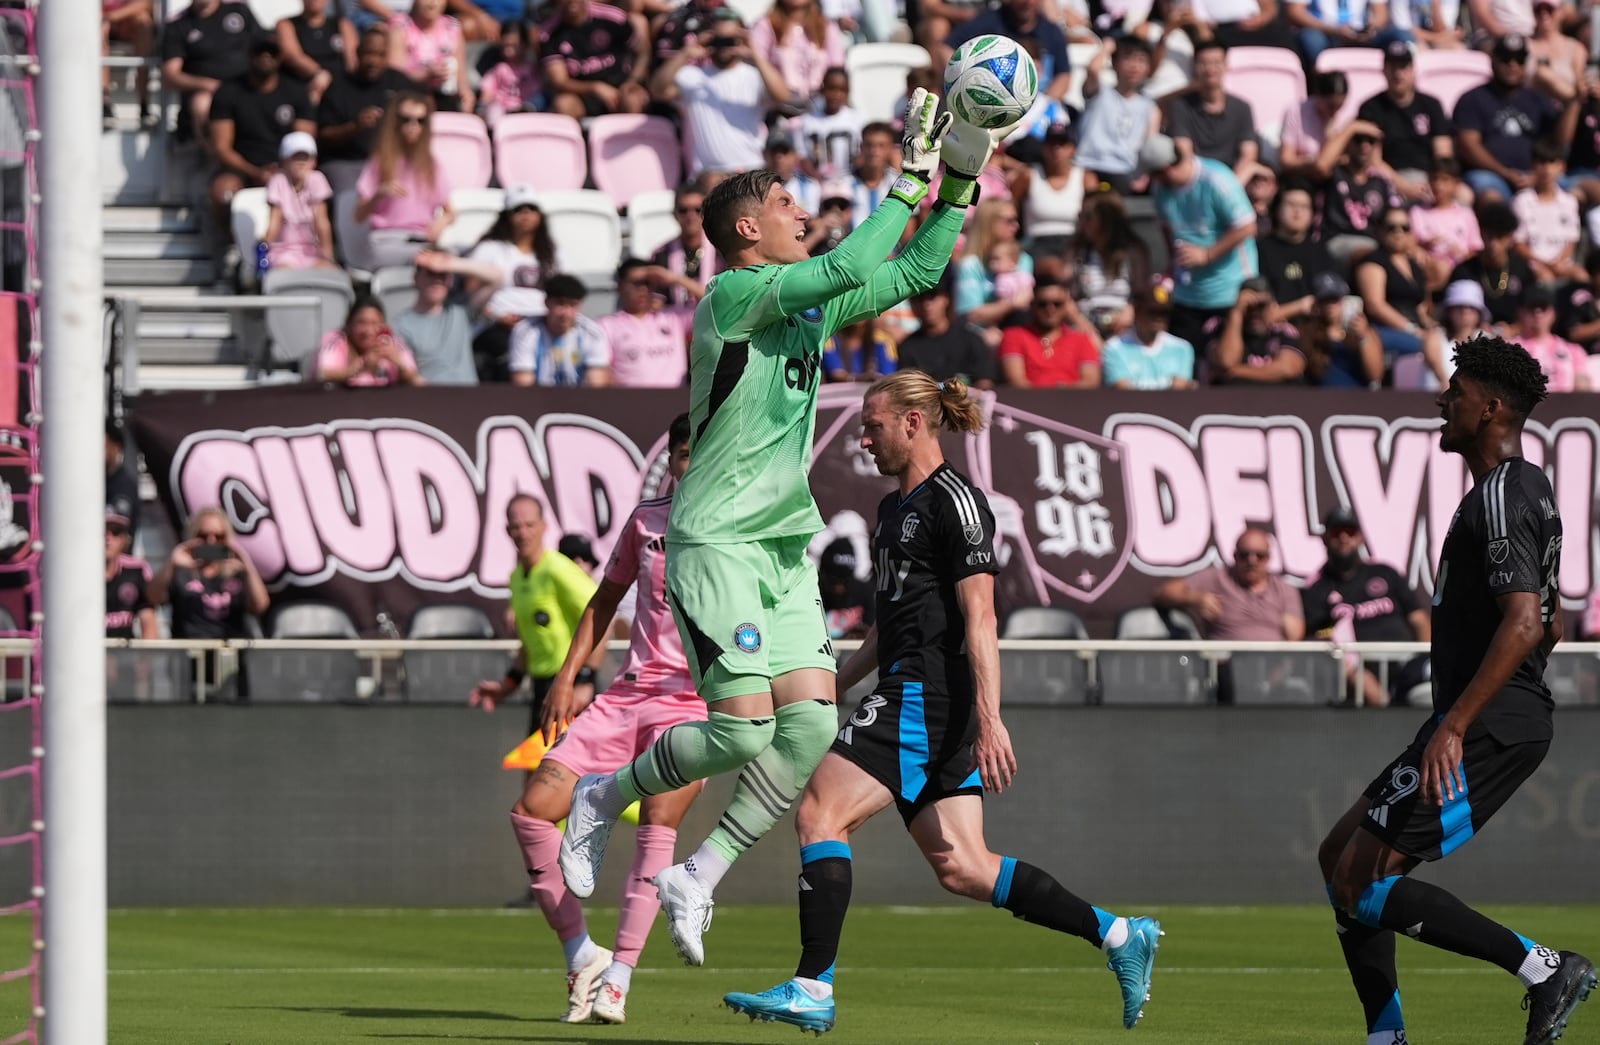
(1145, 677)
(541, 149)
(1310, 679)
(461, 147)
(1044, 622)
(1271, 80)
(586, 229)
(1362, 66)
(1447, 75)
(301, 676)
(250, 213)
(878, 76)
(270, 12)
(296, 332)
(476, 211)
(354, 237)
(752, 11)
(629, 155)
(650, 222)
(396, 288)
(445, 676)
(1411, 374)
(1594, 373)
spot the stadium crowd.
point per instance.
(1345, 250)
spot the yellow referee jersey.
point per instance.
(547, 602)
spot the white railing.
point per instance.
(384, 671)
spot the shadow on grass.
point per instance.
(390, 1013)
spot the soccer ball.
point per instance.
(990, 81)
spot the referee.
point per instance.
(548, 595)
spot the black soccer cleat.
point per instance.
(1551, 1004)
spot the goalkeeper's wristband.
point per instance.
(958, 190)
(909, 189)
(585, 677)
(515, 675)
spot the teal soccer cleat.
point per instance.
(789, 1003)
(1133, 963)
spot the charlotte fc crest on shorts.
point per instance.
(747, 637)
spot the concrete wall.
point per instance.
(394, 806)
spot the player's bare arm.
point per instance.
(997, 763)
(860, 664)
(1520, 632)
(566, 698)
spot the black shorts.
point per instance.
(1403, 818)
(540, 689)
(916, 743)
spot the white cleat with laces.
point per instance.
(582, 985)
(611, 1004)
(688, 906)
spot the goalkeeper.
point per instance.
(742, 590)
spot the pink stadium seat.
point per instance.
(1594, 372)
(1363, 66)
(1447, 75)
(544, 150)
(1271, 80)
(633, 154)
(461, 147)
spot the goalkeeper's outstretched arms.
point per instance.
(966, 150)
(769, 282)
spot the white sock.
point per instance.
(1387, 1037)
(580, 951)
(818, 990)
(607, 797)
(619, 975)
(1540, 964)
(1116, 936)
(707, 866)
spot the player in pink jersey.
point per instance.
(652, 693)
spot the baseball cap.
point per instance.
(296, 143)
(779, 141)
(1540, 295)
(1060, 131)
(1158, 153)
(837, 189)
(116, 518)
(521, 196)
(576, 547)
(1399, 52)
(1466, 293)
(838, 560)
(1512, 45)
(1342, 517)
(1326, 286)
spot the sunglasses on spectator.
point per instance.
(116, 530)
(526, 208)
(212, 536)
(1343, 531)
(1250, 555)
(1397, 227)
(406, 121)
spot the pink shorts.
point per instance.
(619, 726)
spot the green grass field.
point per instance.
(953, 974)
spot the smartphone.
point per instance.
(212, 553)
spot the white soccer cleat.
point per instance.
(583, 846)
(611, 1004)
(688, 907)
(582, 986)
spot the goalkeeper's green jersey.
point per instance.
(755, 363)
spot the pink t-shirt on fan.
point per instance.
(412, 210)
(655, 661)
(1562, 361)
(297, 246)
(1449, 232)
(649, 351)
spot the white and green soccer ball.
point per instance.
(990, 81)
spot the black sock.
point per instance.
(1369, 953)
(1034, 896)
(1438, 919)
(824, 900)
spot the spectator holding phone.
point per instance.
(366, 353)
(210, 582)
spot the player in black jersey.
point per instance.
(1496, 616)
(929, 738)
